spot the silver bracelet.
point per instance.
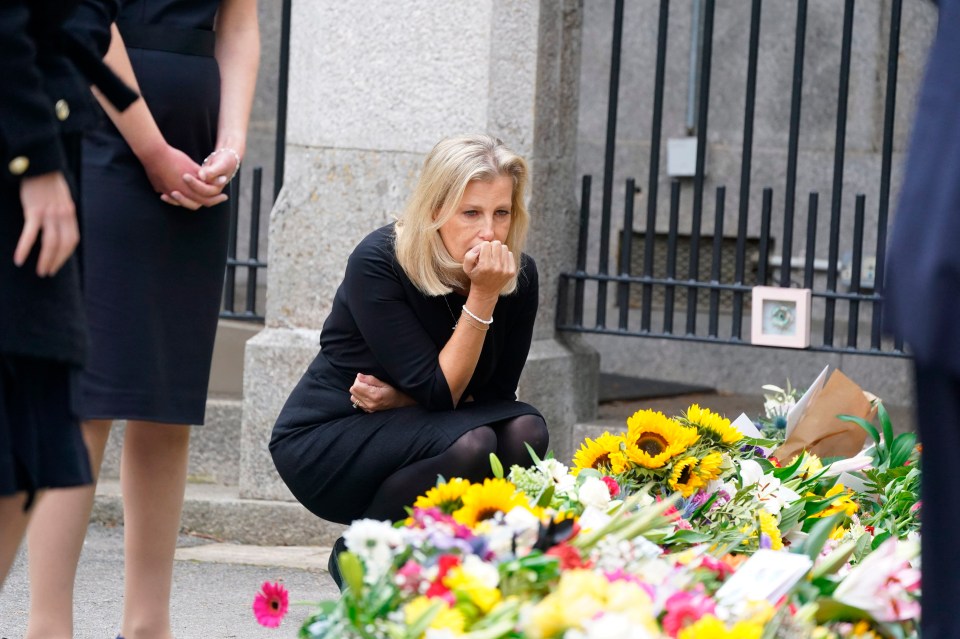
(236, 156)
(482, 321)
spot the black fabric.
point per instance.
(335, 458)
(169, 39)
(938, 425)
(40, 441)
(153, 273)
(38, 316)
(922, 277)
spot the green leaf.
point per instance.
(902, 448)
(834, 561)
(533, 453)
(351, 570)
(418, 627)
(496, 466)
(867, 426)
(885, 424)
(688, 537)
(832, 610)
(546, 496)
(790, 516)
(819, 534)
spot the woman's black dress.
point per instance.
(334, 457)
(153, 273)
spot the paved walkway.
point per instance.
(214, 586)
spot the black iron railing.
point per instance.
(713, 289)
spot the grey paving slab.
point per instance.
(214, 586)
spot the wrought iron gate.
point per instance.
(674, 278)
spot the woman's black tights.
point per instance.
(468, 457)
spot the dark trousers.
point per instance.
(938, 425)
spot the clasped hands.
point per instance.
(369, 394)
(182, 182)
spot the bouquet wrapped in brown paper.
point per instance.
(813, 425)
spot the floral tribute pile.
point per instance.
(678, 527)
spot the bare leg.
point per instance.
(153, 474)
(11, 531)
(54, 542)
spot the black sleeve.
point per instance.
(379, 305)
(90, 24)
(28, 126)
(503, 384)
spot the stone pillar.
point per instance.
(373, 86)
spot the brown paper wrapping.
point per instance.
(820, 432)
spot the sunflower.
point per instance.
(483, 501)
(596, 453)
(713, 425)
(447, 497)
(653, 439)
(708, 468)
(683, 478)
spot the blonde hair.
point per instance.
(452, 164)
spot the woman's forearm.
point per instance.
(136, 124)
(459, 357)
(238, 54)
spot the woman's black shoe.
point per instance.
(333, 566)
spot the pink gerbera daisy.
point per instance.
(270, 604)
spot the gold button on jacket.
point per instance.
(62, 108)
(19, 165)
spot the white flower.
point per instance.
(594, 493)
(483, 571)
(559, 475)
(859, 462)
(376, 543)
(613, 625)
(594, 518)
(766, 488)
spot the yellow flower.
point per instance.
(483, 501)
(579, 596)
(713, 425)
(448, 496)
(462, 582)
(843, 503)
(447, 618)
(709, 627)
(810, 466)
(596, 453)
(837, 533)
(709, 467)
(768, 526)
(684, 479)
(653, 439)
(863, 631)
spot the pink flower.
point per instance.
(685, 608)
(885, 583)
(270, 604)
(612, 486)
(410, 576)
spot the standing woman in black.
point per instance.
(44, 104)
(423, 348)
(155, 232)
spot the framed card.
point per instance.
(781, 317)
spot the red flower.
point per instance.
(271, 604)
(569, 557)
(445, 564)
(612, 486)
